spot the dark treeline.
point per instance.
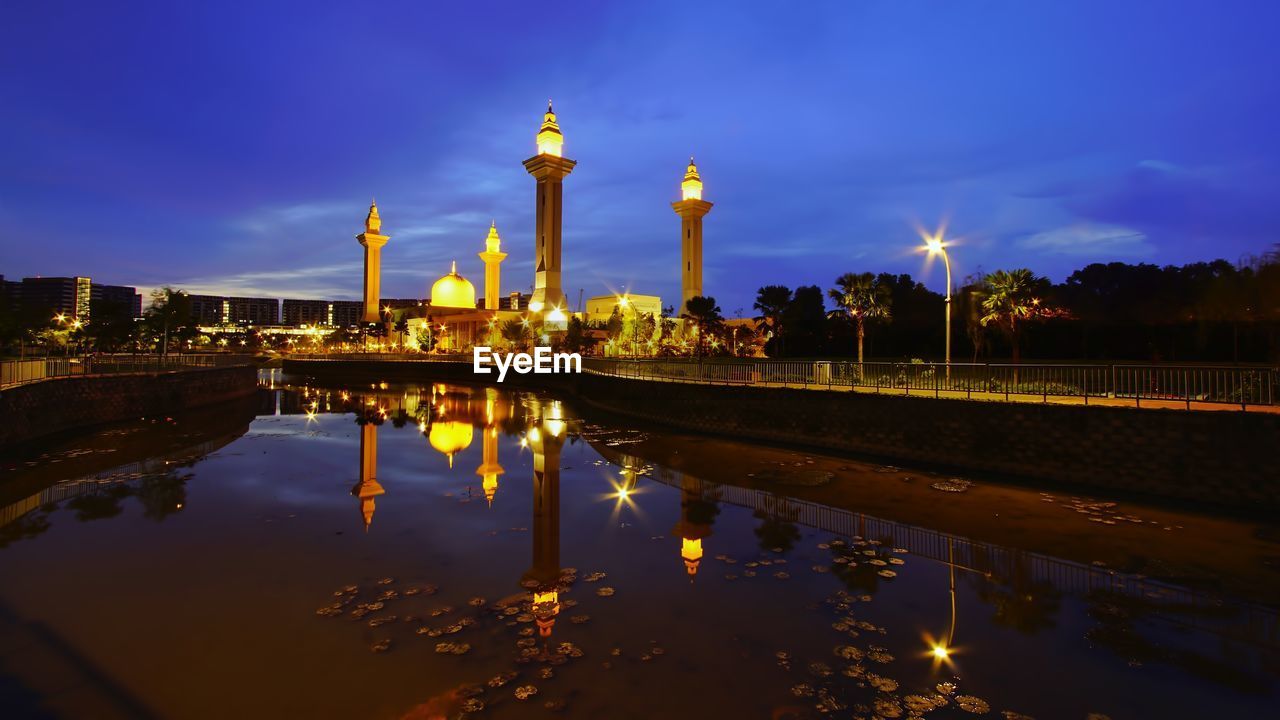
(1202, 312)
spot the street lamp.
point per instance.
(935, 245)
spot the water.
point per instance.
(231, 564)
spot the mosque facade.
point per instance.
(456, 318)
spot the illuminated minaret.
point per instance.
(372, 243)
(492, 258)
(546, 440)
(690, 208)
(368, 488)
(549, 167)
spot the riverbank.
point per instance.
(1211, 459)
(43, 409)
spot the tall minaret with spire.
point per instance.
(492, 258)
(549, 167)
(372, 242)
(690, 208)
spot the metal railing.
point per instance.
(382, 357)
(1162, 385)
(21, 372)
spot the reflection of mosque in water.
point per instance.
(447, 416)
(450, 418)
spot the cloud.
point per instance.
(330, 282)
(1088, 240)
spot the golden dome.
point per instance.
(453, 291)
(449, 437)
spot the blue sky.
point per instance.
(233, 147)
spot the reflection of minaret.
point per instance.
(368, 488)
(489, 468)
(696, 515)
(546, 440)
(549, 168)
(372, 242)
(492, 258)
(690, 208)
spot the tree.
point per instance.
(1009, 298)
(863, 297)
(574, 336)
(705, 315)
(112, 326)
(771, 302)
(804, 323)
(170, 309)
(969, 307)
(516, 332)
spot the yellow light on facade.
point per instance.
(691, 188)
(556, 315)
(534, 306)
(940, 652)
(550, 139)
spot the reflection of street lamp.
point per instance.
(935, 245)
(941, 649)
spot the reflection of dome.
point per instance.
(453, 291)
(450, 437)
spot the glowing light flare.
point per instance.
(940, 651)
(534, 306)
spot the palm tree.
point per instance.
(705, 315)
(1009, 296)
(864, 298)
(772, 301)
(169, 309)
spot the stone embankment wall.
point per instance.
(32, 411)
(1222, 458)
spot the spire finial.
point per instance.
(453, 270)
(549, 105)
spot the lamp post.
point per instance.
(936, 246)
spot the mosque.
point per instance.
(456, 320)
